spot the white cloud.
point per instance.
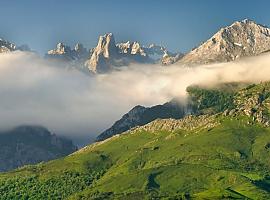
(33, 91)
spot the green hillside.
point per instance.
(221, 153)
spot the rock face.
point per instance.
(65, 53)
(254, 102)
(101, 57)
(108, 55)
(6, 46)
(140, 115)
(242, 38)
(29, 145)
(169, 59)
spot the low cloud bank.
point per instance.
(71, 103)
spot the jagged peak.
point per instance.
(61, 48)
(6, 46)
(247, 21)
(107, 37)
(78, 46)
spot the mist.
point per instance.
(71, 103)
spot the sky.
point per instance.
(179, 25)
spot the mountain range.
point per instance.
(109, 55)
(240, 39)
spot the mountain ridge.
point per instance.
(240, 39)
(27, 144)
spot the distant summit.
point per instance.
(108, 55)
(65, 53)
(242, 38)
(6, 46)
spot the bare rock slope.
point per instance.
(242, 38)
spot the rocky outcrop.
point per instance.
(140, 115)
(29, 145)
(242, 38)
(187, 123)
(65, 53)
(101, 58)
(6, 46)
(169, 59)
(254, 102)
(108, 55)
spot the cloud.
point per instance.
(71, 103)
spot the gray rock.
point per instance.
(6, 46)
(242, 38)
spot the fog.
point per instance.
(79, 106)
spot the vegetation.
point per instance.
(227, 161)
(205, 101)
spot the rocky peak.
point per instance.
(137, 49)
(6, 46)
(100, 58)
(124, 47)
(61, 48)
(75, 58)
(79, 48)
(80, 51)
(132, 48)
(106, 45)
(242, 38)
(169, 59)
(155, 49)
(108, 55)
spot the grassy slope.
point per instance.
(229, 161)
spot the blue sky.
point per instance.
(178, 24)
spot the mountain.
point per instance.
(25, 145)
(6, 46)
(242, 38)
(222, 154)
(175, 109)
(65, 53)
(140, 115)
(100, 59)
(108, 55)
